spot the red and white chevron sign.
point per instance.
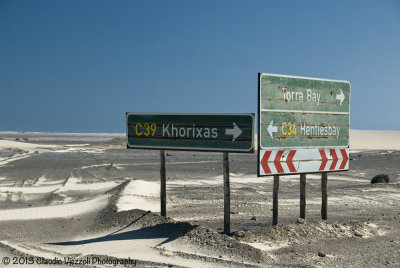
(280, 162)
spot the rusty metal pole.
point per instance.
(324, 207)
(275, 201)
(163, 194)
(303, 196)
(227, 195)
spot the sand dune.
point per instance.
(374, 140)
(58, 211)
(26, 146)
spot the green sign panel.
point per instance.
(303, 112)
(196, 132)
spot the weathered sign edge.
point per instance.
(304, 77)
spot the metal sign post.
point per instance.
(227, 195)
(303, 196)
(163, 189)
(324, 205)
(192, 132)
(304, 128)
(275, 201)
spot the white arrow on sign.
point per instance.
(340, 97)
(235, 131)
(271, 129)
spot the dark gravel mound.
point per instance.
(381, 178)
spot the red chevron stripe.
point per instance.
(345, 158)
(335, 159)
(289, 161)
(324, 159)
(277, 161)
(264, 162)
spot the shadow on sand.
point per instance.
(170, 231)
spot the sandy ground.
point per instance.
(86, 201)
(374, 140)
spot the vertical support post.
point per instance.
(227, 195)
(275, 201)
(303, 196)
(163, 195)
(324, 207)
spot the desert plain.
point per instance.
(84, 200)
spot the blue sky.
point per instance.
(78, 66)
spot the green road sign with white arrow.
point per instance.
(301, 112)
(196, 132)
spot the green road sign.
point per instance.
(195, 132)
(300, 112)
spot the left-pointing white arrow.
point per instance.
(271, 129)
(235, 131)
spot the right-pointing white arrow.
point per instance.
(271, 129)
(340, 97)
(235, 131)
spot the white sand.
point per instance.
(33, 251)
(267, 247)
(29, 149)
(58, 211)
(374, 140)
(139, 194)
(23, 145)
(44, 181)
(134, 246)
(75, 184)
(29, 190)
